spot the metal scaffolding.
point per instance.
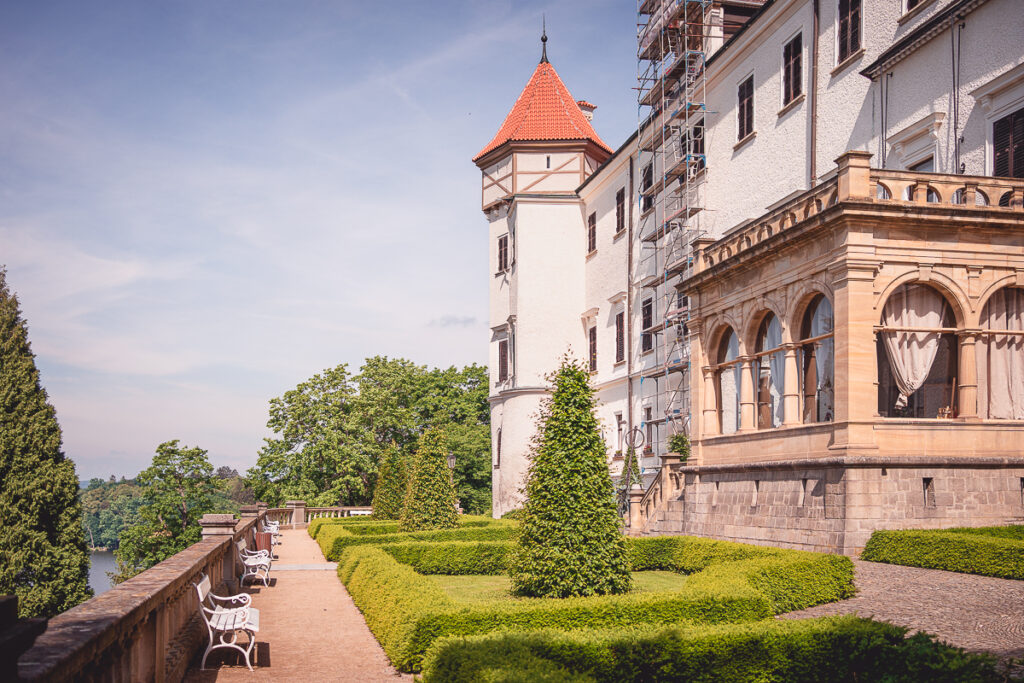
(672, 39)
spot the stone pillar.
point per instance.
(710, 426)
(636, 495)
(791, 388)
(217, 527)
(747, 422)
(967, 401)
(298, 510)
(16, 636)
(249, 511)
(854, 176)
(856, 374)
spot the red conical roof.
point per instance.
(544, 111)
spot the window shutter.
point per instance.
(502, 361)
(1017, 144)
(593, 349)
(1001, 149)
(620, 337)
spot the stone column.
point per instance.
(968, 376)
(791, 388)
(298, 510)
(636, 494)
(856, 374)
(217, 527)
(710, 425)
(747, 422)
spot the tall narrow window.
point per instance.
(620, 337)
(1000, 352)
(646, 183)
(648, 430)
(619, 427)
(695, 147)
(646, 323)
(745, 108)
(769, 373)
(620, 211)
(817, 360)
(497, 449)
(730, 383)
(1008, 146)
(849, 28)
(503, 360)
(503, 253)
(593, 348)
(591, 233)
(792, 69)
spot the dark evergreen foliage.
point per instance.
(392, 483)
(430, 500)
(43, 555)
(571, 543)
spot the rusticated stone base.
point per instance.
(833, 505)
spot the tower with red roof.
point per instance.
(530, 170)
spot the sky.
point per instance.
(205, 202)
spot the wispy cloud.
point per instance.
(454, 321)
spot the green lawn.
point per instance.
(477, 588)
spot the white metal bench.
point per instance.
(255, 563)
(274, 529)
(225, 618)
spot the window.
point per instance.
(548, 162)
(1008, 146)
(926, 166)
(591, 233)
(503, 253)
(695, 147)
(769, 372)
(619, 425)
(648, 430)
(620, 337)
(816, 355)
(745, 108)
(497, 449)
(792, 69)
(1001, 356)
(729, 383)
(593, 348)
(917, 354)
(646, 182)
(646, 323)
(849, 28)
(911, 4)
(620, 211)
(503, 360)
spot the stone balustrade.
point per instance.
(148, 627)
(295, 514)
(855, 181)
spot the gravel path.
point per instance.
(973, 612)
(310, 630)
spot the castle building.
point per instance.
(809, 259)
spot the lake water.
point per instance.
(102, 562)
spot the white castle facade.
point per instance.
(591, 249)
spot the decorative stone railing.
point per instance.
(644, 504)
(295, 514)
(856, 181)
(146, 628)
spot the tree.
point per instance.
(316, 455)
(430, 500)
(109, 507)
(570, 543)
(179, 487)
(43, 554)
(392, 483)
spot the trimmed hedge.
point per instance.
(363, 522)
(334, 539)
(971, 551)
(408, 611)
(825, 650)
(453, 558)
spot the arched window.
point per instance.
(769, 369)
(729, 383)
(917, 354)
(1000, 352)
(816, 356)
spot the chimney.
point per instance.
(587, 108)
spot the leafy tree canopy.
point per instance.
(570, 543)
(43, 556)
(333, 432)
(179, 487)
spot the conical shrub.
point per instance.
(430, 499)
(392, 483)
(43, 556)
(570, 543)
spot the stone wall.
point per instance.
(833, 505)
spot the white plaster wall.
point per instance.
(516, 416)
(533, 175)
(497, 172)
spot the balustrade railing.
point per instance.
(146, 628)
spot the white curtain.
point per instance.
(911, 354)
(731, 383)
(776, 367)
(1001, 357)
(821, 323)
